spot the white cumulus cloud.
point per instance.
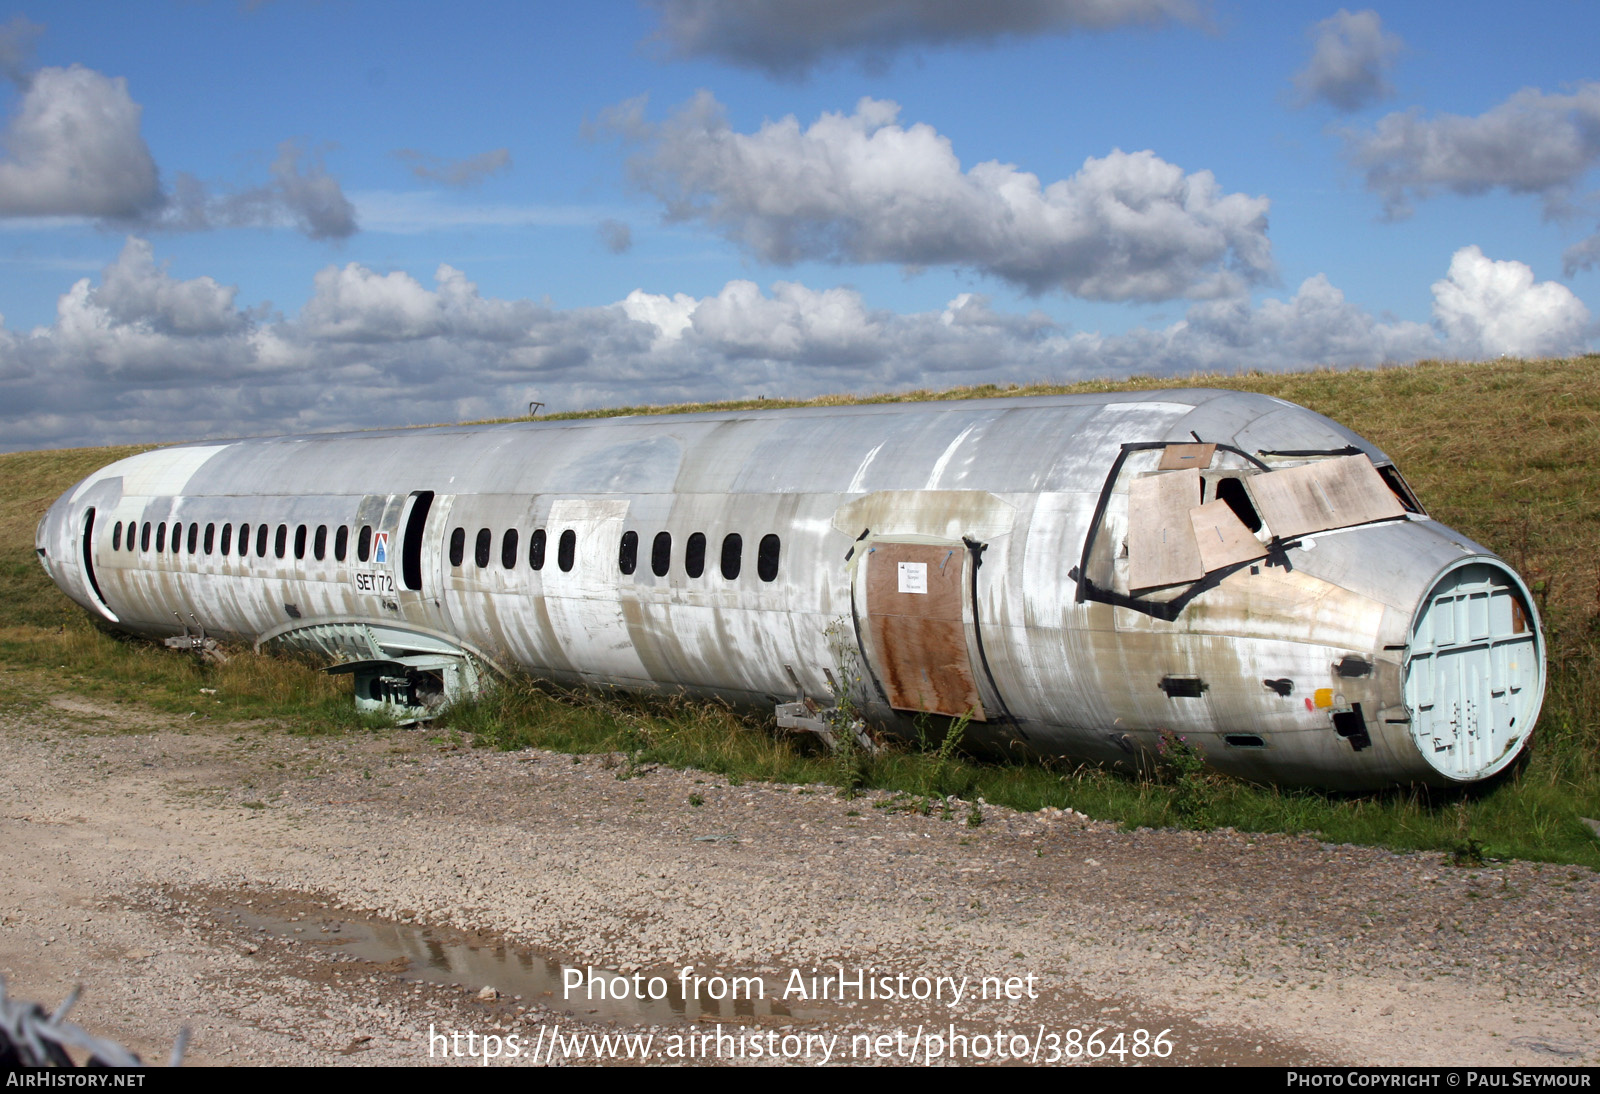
(861, 188)
(1351, 55)
(73, 148)
(1533, 143)
(144, 356)
(1489, 309)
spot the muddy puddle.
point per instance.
(427, 954)
(538, 981)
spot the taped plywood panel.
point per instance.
(1332, 493)
(1179, 457)
(1161, 545)
(916, 593)
(1222, 537)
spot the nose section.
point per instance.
(50, 547)
(1474, 669)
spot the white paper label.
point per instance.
(913, 577)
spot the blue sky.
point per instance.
(221, 219)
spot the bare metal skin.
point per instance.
(1077, 574)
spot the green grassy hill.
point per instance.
(1507, 452)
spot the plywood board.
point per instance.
(1179, 457)
(1222, 537)
(915, 598)
(1332, 493)
(1161, 545)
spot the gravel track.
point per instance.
(133, 839)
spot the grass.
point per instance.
(1504, 451)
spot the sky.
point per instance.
(229, 219)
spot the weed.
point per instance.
(1181, 766)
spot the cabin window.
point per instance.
(227, 539)
(262, 531)
(116, 536)
(536, 549)
(508, 549)
(482, 546)
(567, 551)
(661, 554)
(144, 537)
(280, 542)
(211, 537)
(458, 546)
(300, 541)
(177, 536)
(341, 543)
(364, 543)
(732, 550)
(244, 540)
(161, 537)
(194, 538)
(767, 558)
(628, 554)
(694, 555)
(319, 543)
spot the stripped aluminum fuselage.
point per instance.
(940, 558)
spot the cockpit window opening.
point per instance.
(1395, 481)
(1232, 491)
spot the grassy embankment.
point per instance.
(1504, 451)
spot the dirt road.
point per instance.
(338, 900)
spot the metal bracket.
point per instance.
(807, 715)
(195, 641)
